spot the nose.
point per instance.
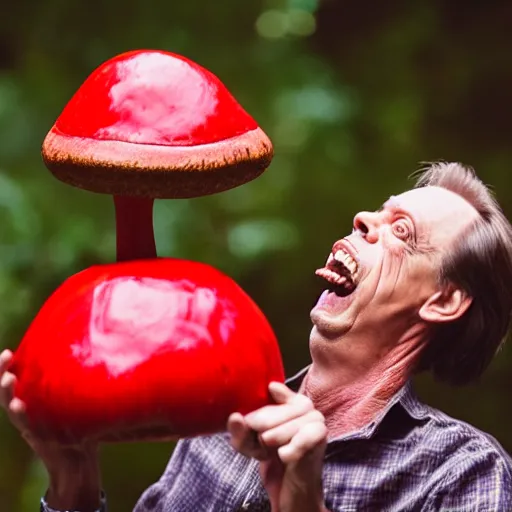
(367, 224)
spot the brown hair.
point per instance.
(480, 262)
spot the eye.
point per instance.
(401, 229)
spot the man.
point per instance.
(425, 283)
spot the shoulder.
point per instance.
(448, 437)
(476, 470)
(464, 441)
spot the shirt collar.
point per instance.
(405, 397)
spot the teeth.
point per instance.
(340, 256)
(341, 280)
(332, 277)
(344, 258)
(347, 260)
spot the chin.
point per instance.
(325, 327)
(333, 315)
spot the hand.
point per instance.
(73, 469)
(289, 440)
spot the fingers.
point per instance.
(5, 356)
(289, 438)
(238, 429)
(7, 383)
(5, 360)
(14, 407)
(268, 417)
(312, 436)
(280, 392)
(283, 434)
(291, 428)
(18, 417)
(244, 439)
(7, 380)
(17, 407)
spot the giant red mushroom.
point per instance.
(148, 348)
(139, 351)
(152, 124)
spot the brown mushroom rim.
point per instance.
(117, 167)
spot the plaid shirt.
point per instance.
(410, 458)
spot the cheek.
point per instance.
(371, 257)
(423, 275)
(395, 259)
(395, 270)
(417, 281)
(392, 275)
(392, 246)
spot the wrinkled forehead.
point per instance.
(438, 213)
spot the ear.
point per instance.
(445, 306)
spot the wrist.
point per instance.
(301, 503)
(74, 495)
(45, 507)
(75, 482)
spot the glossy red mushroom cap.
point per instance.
(155, 124)
(142, 350)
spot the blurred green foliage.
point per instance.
(354, 96)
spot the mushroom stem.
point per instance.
(134, 228)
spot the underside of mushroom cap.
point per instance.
(145, 170)
(154, 124)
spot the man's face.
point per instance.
(380, 276)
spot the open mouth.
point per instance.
(341, 272)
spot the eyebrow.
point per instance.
(393, 204)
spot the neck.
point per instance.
(350, 397)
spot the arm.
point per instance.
(73, 470)
(289, 440)
(74, 481)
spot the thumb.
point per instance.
(280, 392)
